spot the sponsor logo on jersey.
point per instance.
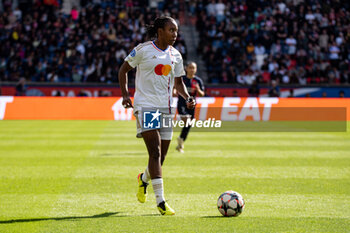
(161, 69)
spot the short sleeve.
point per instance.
(201, 85)
(179, 67)
(134, 58)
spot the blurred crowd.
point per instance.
(245, 42)
(290, 42)
(41, 42)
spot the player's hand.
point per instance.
(127, 103)
(190, 102)
(195, 88)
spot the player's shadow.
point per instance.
(103, 215)
(151, 215)
(218, 216)
(124, 154)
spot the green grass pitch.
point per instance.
(80, 176)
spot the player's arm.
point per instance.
(200, 88)
(182, 90)
(123, 83)
(199, 91)
(174, 92)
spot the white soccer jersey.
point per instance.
(155, 73)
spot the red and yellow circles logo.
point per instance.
(162, 69)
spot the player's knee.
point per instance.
(155, 153)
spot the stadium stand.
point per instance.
(292, 41)
(44, 44)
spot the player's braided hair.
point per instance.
(159, 22)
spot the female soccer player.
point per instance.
(195, 87)
(159, 67)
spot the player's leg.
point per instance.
(181, 109)
(143, 178)
(185, 130)
(166, 135)
(154, 144)
(164, 150)
(181, 140)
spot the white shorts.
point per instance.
(165, 133)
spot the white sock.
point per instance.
(146, 177)
(158, 189)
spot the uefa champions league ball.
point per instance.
(230, 204)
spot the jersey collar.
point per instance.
(160, 50)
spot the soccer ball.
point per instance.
(230, 204)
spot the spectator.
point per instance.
(77, 74)
(323, 39)
(310, 16)
(259, 50)
(334, 54)
(276, 48)
(273, 66)
(82, 93)
(52, 76)
(80, 48)
(21, 87)
(274, 89)
(249, 77)
(220, 11)
(91, 73)
(340, 39)
(250, 50)
(18, 13)
(57, 93)
(291, 43)
(254, 89)
(234, 93)
(74, 14)
(211, 8)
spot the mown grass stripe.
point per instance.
(202, 205)
(109, 171)
(175, 185)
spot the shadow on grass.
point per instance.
(151, 215)
(124, 154)
(219, 216)
(104, 215)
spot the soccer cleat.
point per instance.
(180, 145)
(165, 209)
(179, 149)
(142, 192)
